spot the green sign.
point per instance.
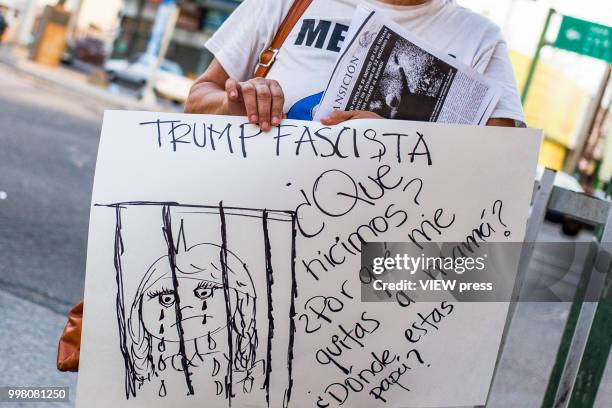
(585, 38)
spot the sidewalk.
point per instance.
(72, 80)
(29, 346)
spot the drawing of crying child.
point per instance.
(193, 316)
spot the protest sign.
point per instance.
(224, 263)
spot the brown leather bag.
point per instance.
(69, 345)
(70, 342)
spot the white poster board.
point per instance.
(223, 264)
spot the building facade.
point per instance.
(197, 20)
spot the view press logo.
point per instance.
(405, 263)
(405, 272)
(475, 271)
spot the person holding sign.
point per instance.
(312, 39)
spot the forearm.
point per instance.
(207, 97)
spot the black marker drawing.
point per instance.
(200, 317)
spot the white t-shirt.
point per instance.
(307, 58)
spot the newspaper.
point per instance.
(387, 70)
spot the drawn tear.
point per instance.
(204, 318)
(219, 387)
(161, 347)
(212, 344)
(161, 315)
(161, 363)
(161, 329)
(162, 389)
(216, 367)
(204, 307)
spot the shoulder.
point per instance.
(272, 6)
(265, 14)
(268, 4)
(261, 11)
(475, 22)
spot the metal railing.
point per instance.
(585, 344)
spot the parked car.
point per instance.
(569, 226)
(170, 81)
(88, 49)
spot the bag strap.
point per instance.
(268, 56)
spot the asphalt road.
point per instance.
(48, 144)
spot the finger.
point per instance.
(337, 117)
(278, 102)
(264, 105)
(249, 96)
(231, 87)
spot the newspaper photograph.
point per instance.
(389, 71)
